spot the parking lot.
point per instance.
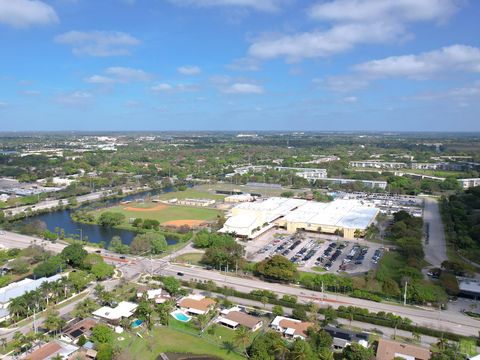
(317, 252)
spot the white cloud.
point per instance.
(373, 10)
(99, 79)
(74, 99)
(30, 92)
(243, 88)
(189, 70)
(161, 87)
(119, 74)
(3, 104)
(126, 74)
(325, 43)
(349, 99)
(447, 59)
(260, 5)
(354, 22)
(26, 13)
(460, 95)
(165, 87)
(427, 65)
(98, 43)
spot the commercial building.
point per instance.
(196, 202)
(349, 217)
(468, 183)
(379, 184)
(392, 350)
(469, 287)
(19, 288)
(238, 198)
(376, 164)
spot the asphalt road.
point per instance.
(435, 247)
(449, 320)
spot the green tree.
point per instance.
(104, 351)
(171, 284)
(357, 352)
(102, 334)
(102, 270)
(74, 255)
(277, 268)
(301, 350)
(53, 321)
(242, 338)
(277, 310)
(84, 308)
(79, 280)
(109, 218)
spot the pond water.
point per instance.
(94, 233)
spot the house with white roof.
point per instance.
(124, 309)
(291, 328)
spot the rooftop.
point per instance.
(124, 309)
(389, 350)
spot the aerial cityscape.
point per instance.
(240, 179)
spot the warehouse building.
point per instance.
(347, 217)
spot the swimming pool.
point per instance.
(181, 316)
(136, 323)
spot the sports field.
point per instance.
(173, 215)
(190, 194)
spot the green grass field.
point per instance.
(190, 194)
(167, 213)
(190, 258)
(170, 339)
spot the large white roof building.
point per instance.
(347, 216)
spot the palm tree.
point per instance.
(416, 336)
(351, 313)
(325, 354)
(3, 341)
(202, 321)
(53, 321)
(397, 320)
(242, 337)
(46, 289)
(282, 349)
(299, 350)
(17, 307)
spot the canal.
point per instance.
(94, 233)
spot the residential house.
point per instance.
(51, 350)
(196, 304)
(234, 318)
(113, 316)
(390, 350)
(75, 330)
(291, 328)
(344, 337)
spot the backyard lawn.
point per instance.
(169, 339)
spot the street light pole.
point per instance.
(405, 294)
(81, 234)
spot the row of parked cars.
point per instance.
(328, 258)
(306, 253)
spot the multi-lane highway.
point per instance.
(449, 320)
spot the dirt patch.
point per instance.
(183, 223)
(155, 208)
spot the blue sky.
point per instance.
(240, 65)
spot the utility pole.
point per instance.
(405, 294)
